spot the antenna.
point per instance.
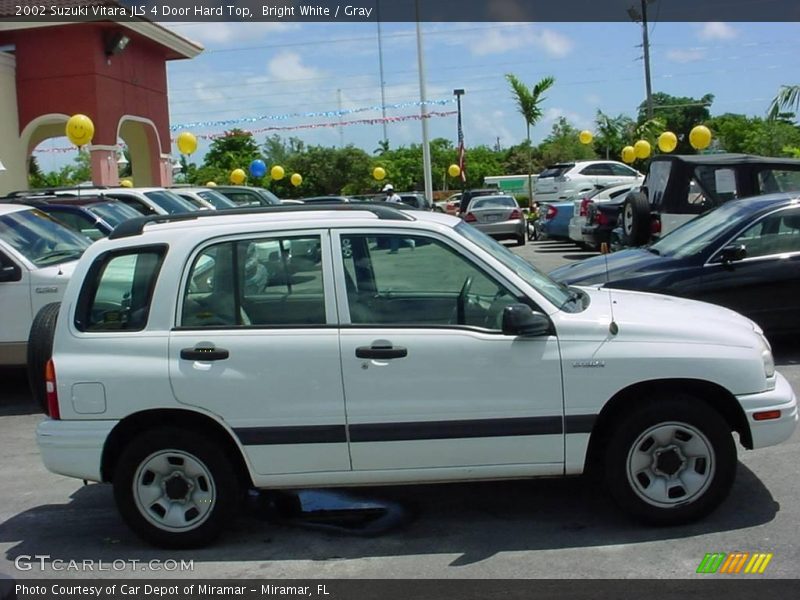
(613, 328)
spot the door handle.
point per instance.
(204, 354)
(381, 352)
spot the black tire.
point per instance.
(521, 240)
(40, 349)
(219, 484)
(705, 428)
(636, 219)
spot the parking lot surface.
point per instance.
(512, 529)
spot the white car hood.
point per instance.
(642, 316)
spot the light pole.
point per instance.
(636, 16)
(380, 67)
(458, 93)
(423, 110)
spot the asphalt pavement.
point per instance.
(559, 528)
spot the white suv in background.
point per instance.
(565, 180)
(181, 379)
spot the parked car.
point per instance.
(601, 221)
(326, 200)
(678, 188)
(468, 195)
(244, 195)
(416, 200)
(582, 203)
(205, 198)
(553, 223)
(37, 257)
(451, 204)
(564, 180)
(147, 201)
(95, 218)
(181, 415)
(744, 255)
(498, 216)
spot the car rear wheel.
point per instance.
(40, 349)
(671, 462)
(175, 488)
(636, 219)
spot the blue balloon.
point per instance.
(258, 168)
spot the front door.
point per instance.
(257, 344)
(430, 380)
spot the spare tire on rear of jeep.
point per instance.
(40, 349)
(636, 219)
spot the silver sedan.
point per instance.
(498, 216)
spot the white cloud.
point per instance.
(552, 42)
(499, 41)
(593, 99)
(716, 30)
(685, 55)
(288, 66)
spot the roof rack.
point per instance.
(50, 191)
(133, 227)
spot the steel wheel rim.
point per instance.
(174, 490)
(670, 464)
(628, 218)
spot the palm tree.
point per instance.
(788, 98)
(529, 105)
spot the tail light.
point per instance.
(601, 219)
(552, 211)
(515, 214)
(584, 207)
(470, 218)
(655, 226)
(51, 391)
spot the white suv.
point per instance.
(565, 180)
(37, 256)
(179, 380)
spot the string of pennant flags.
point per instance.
(307, 115)
(330, 124)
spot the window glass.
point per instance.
(40, 238)
(657, 178)
(623, 171)
(778, 233)
(135, 203)
(265, 281)
(113, 213)
(492, 201)
(79, 222)
(776, 180)
(414, 280)
(597, 170)
(218, 200)
(170, 202)
(118, 290)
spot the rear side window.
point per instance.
(118, 289)
(555, 170)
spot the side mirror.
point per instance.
(732, 253)
(521, 319)
(10, 273)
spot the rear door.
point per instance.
(430, 380)
(15, 298)
(257, 343)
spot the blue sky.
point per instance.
(253, 69)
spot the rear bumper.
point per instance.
(73, 448)
(502, 229)
(575, 228)
(773, 431)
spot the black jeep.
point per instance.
(678, 188)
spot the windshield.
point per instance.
(172, 203)
(41, 239)
(558, 294)
(494, 201)
(219, 201)
(269, 196)
(114, 213)
(692, 237)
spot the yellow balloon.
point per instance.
(667, 141)
(454, 170)
(379, 173)
(642, 149)
(186, 142)
(628, 154)
(238, 176)
(80, 130)
(126, 183)
(277, 172)
(296, 179)
(211, 184)
(586, 137)
(700, 137)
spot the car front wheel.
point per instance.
(671, 462)
(175, 489)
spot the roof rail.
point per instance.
(133, 227)
(49, 191)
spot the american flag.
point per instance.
(462, 159)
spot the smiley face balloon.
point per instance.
(80, 130)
